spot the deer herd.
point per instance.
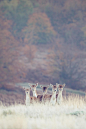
(51, 98)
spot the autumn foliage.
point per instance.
(38, 30)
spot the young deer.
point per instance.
(39, 97)
(33, 87)
(53, 96)
(59, 95)
(44, 91)
(29, 99)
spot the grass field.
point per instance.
(71, 114)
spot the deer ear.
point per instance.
(51, 85)
(36, 84)
(63, 85)
(57, 85)
(41, 86)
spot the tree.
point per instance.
(67, 19)
(68, 66)
(11, 69)
(29, 52)
(72, 34)
(38, 30)
(18, 11)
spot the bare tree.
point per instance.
(67, 64)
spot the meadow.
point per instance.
(71, 114)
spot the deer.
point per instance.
(53, 96)
(44, 88)
(33, 88)
(59, 95)
(29, 99)
(39, 97)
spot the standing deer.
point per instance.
(44, 92)
(29, 99)
(53, 96)
(33, 87)
(39, 97)
(59, 95)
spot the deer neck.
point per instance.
(27, 100)
(43, 97)
(27, 97)
(54, 95)
(44, 94)
(59, 98)
(60, 94)
(35, 94)
(53, 98)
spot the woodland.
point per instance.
(43, 41)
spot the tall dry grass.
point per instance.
(71, 114)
